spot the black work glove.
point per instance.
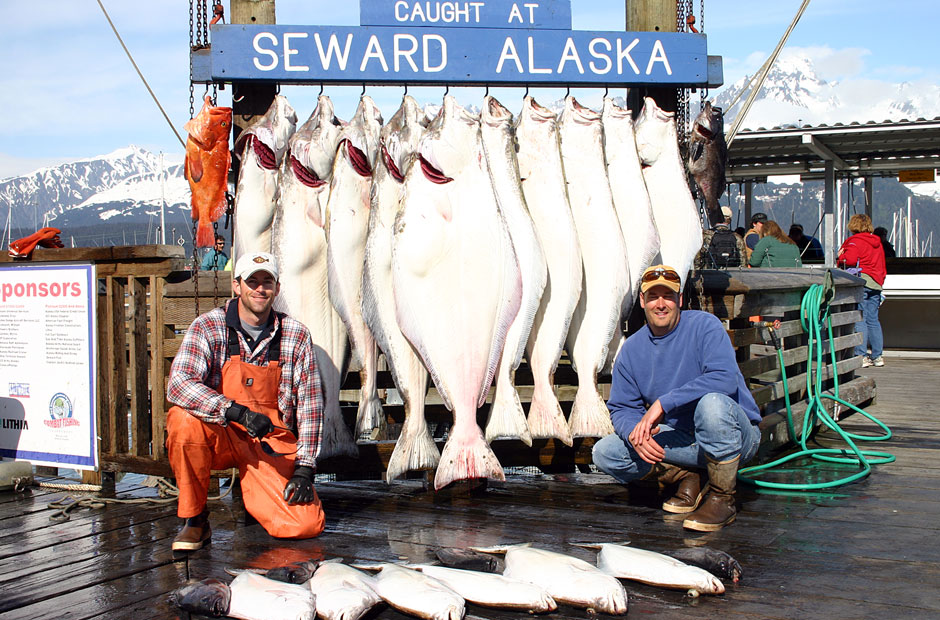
(299, 489)
(257, 424)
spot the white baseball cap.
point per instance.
(726, 211)
(248, 264)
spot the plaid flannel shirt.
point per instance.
(196, 374)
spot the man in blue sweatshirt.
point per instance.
(679, 405)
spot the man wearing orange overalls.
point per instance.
(247, 393)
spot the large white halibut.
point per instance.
(457, 282)
(507, 419)
(626, 562)
(546, 194)
(680, 228)
(595, 326)
(260, 147)
(349, 207)
(299, 243)
(415, 448)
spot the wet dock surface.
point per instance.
(869, 549)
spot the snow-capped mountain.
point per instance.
(98, 196)
(794, 94)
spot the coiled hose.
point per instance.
(814, 314)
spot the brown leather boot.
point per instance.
(195, 533)
(691, 489)
(718, 508)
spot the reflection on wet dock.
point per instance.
(869, 549)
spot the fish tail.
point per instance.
(370, 420)
(546, 419)
(335, 440)
(507, 419)
(415, 449)
(589, 414)
(467, 460)
(205, 236)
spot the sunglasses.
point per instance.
(666, 274)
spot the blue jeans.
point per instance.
(722, 431)
(869, 326)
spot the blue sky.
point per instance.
(68, 91)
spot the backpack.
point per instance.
(723, 249)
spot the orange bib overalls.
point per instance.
(195, 448)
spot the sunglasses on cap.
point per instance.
(666, 274)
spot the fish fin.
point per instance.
(235, 572)
(205, 236)
(589, 414)
(467, 460)
(598, 545)
(369, 566)
(415, 449)
(498, 549)
(194, 168)
(546, 419)
(506, 418)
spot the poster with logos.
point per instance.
(47, 365)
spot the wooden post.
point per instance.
(869, 196)
(652, 16)
(828, 236)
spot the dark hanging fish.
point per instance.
(708, 156)
(209, 597)
(718, 563)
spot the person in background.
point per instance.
(752, 236)
(739, 231)
(862, 251)
(679, 405)
(811, 250)
(245, 390)
(774, 249)
(882, 233)
(721, 246)
(215, 258)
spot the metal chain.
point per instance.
(204, 21)
(215, 272)
(192, 43)
(195, 272)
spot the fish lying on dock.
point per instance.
(209, 597)
(413, 592)
(654, 569)
(567, 579)
(343, 592)
(468, 560)
(255, 597)
(716, 562)
(492, 590)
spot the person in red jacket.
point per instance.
(863, 251)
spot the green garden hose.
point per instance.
(814, 314)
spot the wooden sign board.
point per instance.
(916, 176)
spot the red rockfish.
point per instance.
(206, 166)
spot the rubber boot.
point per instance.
(195, 533)
(691, 489)
(718, 508)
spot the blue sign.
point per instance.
(543, 14)
(378, 54)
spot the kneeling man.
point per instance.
(679, 405)
(247, 394)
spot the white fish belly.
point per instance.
(656, 569)
(343, 593)
(567, 579)
(493, 590)
(414, 593)
(258, 598)
(254, 206)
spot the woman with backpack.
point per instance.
(775, 249)
(862, 254)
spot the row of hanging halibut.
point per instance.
(455, 245)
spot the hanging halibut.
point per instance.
(631, 199)
(346, 246)
(680, 228)
(595, 325)
(457, 282)
(415, 448)
(507, 419)
(299, 243)
(261, 147)
(546, 194)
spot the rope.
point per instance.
(814, 314)
(167, 491)
(142, 78)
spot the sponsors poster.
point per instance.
(47, 365)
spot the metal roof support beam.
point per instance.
(827, 228)
(869, 187)
(816, 146)
(748, 203)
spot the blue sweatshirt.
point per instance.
(694, 359)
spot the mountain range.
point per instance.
(116, 199)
